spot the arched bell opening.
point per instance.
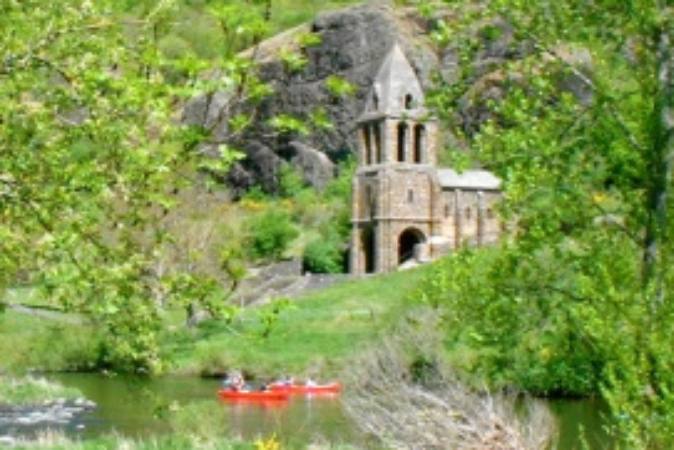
(377, 143)
(419, 143)
(367, 145)
(402, 141)
(409, 101)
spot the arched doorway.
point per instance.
(367, 238)
(407, 241)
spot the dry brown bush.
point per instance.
(400, 393)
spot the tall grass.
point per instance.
(402, 392)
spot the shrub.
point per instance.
(529, 341)
(270, 234)
(291, 183)
(323, 256)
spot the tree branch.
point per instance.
(589, 83)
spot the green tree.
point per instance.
(90, 154)
(583, 139)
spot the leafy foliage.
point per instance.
(90, 155)
(324, 256)
(339, 87)
(292, 60)
(270, 234)
(286, 124)
(579, 139)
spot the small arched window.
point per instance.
(410, 196)
(409, 101)
(468, 213)
(375, 101)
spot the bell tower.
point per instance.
(395, 186)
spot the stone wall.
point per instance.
(469, 216)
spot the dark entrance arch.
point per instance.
(367, 238)
(407, 241)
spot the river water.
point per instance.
(139, 407)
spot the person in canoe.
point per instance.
(234, 382)
(286, 380)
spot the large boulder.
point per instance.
(315, 166)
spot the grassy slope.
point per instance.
(314, 336)
(32, 342)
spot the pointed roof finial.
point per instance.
(396, 90)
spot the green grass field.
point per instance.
(315, 335)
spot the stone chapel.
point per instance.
(405, 209)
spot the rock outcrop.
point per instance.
(353, 43)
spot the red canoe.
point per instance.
(330, 388)
(261, 396)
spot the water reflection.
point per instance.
(140, 407)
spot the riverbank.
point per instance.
(314, 334)
(176, 413)
(27, 391)
(29, 405)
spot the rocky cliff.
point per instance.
(353, 43)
